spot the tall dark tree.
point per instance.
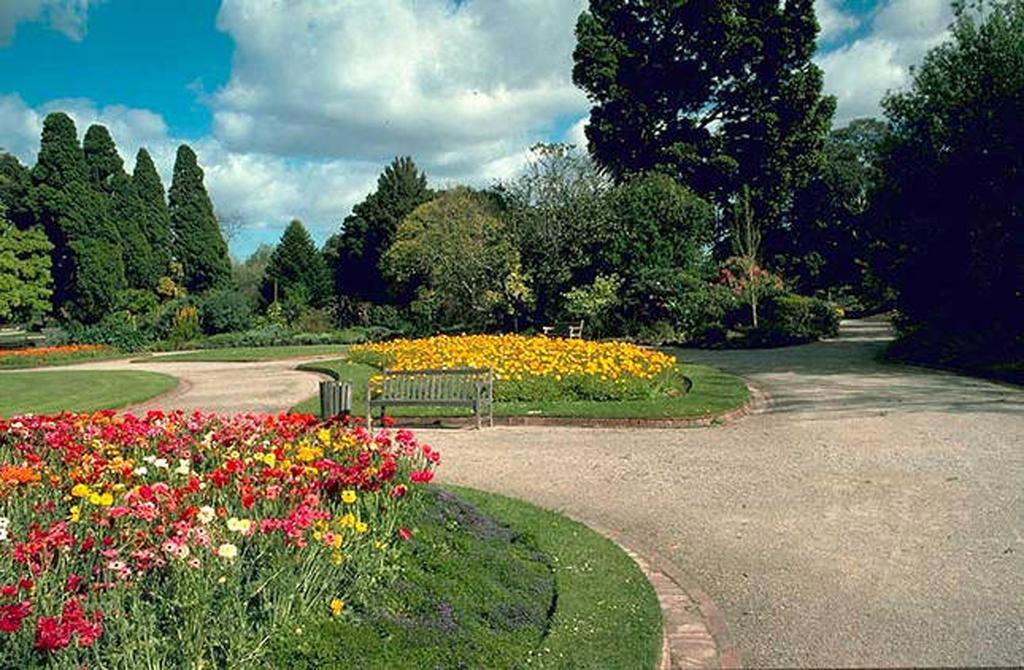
(718, 94)
(107, 176)
(197, 241)
(827, 242)
(368, 232)
(154, 217)
(15, 191)
(955, 190)
(87, 266)
(296, 272)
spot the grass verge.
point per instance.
(714, 392)
(77, 390)
(251, 354)
(49, 360)
(491, 582)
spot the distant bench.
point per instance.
(457, 387)
(573, 330)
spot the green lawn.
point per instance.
(251, 354)
(491, 582)
(50, 360)
(714, 392)
(77, 390)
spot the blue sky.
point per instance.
(294, 107)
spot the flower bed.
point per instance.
(129, 542)
(34, 356)
(538, 368)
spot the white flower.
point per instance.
(160, 463)
(227, 550)
(3, 534)
(184, 467)
(206, 514)
(4, 522)
(141, 471)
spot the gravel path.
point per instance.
(870, 515)
(226, 388)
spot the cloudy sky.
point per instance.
(294, 106)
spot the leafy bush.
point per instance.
(795, 319)
(276, 336)
(704, 313)
(136, 302)
(119, 330)
(594, 304)
(314, 320)
(226, 310)
(186, 325)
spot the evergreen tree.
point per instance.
(154, 217)
(15, 191)
(87, 267)
(718, 94)
(107, 176)
(366, 234)
(198, 244)
(296, 272)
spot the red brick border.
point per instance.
(695, 633)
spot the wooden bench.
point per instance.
(457, 387)
(575, 330)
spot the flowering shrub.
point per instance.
(37, 355)
(536, 368)
(177, 539)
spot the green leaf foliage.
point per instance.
(16, 191)
(954, 188)
(197, 241)
(107, 176)
(456, 255)
(296, 271)
(355, 253)
(153, 216)
(717, 94)
(25, 283)
(87, 264)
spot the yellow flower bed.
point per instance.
(523, 365)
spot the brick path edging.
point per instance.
(695, 633)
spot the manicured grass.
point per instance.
(607, 614)
(77, 390)
(714, 392)
(50, 360)
(251, 354)
(491, 582)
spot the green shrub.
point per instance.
(795, 319)
(119, 330)
(226, 310)
(185, 326)
(704, 312)
(594, 304)
(279, 336)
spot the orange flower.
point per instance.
(14, 474)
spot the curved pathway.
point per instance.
(868, 515)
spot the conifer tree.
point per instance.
(197, 241)
(366, 234)
(15, 191)
(297, 270)
(87, 268)
(154, 217)
(107, 176)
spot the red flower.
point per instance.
(8, 590)
(51, 635)
(421, 476)
(11, 616)
(405, 533)
(26, 583)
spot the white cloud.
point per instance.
(458, 87)
(833, 20)
(65, 16)
(859, 74)
(577, 133)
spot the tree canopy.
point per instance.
(87, 265)
(197, 241)
(955, 183)
(717, 94)
(296, 271)
(25, 281)
(367, 233)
